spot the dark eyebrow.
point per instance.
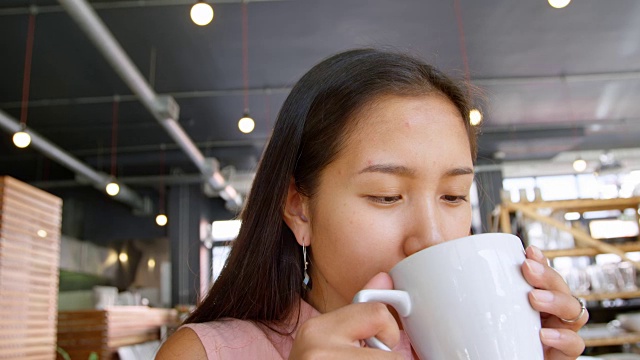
(389, 169)
(459, 171)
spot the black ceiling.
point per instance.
(551, 80)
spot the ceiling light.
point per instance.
(201, 13)
(579, 165)
(42, 233)
(559, 4)
(151, 263)
(21, 139)
(246, 124)
(123, 257)
(161, 220)
(475, 117)
(112, 189)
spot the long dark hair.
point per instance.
(262, 279)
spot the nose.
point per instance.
(426, 229)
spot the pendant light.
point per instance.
(161, 218)
(246, 123)
(475, 117)
(579, 164)
(201, 13)
(559, 4)
(22, 139)
(112, 187)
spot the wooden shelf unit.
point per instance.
(609, 296)
(585, 244)
(587, 251)
(629, 338)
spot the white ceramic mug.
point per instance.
(464, 299)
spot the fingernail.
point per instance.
(536, 252)
(550, 333)
(542, 295)
(535, 266)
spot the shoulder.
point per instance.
(184, 344)
(222, 339)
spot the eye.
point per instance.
(454, 199)
(385, 200)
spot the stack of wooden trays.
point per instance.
(104, 331)
(30, 222)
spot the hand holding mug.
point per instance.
(465, 299)
(552, 298)
(336, 334)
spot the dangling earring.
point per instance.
(306, 283)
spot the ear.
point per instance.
(296, 214)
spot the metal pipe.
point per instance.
(97, 31)
(164, 108)
(99, 179)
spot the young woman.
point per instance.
(371, 160)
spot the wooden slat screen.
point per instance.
(30, 222)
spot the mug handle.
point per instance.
(399, 299)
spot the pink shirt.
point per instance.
(240, 339)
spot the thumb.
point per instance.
(380, 281)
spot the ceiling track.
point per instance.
(164, 108)
(502, 81)
(129, 97)
(106, 5)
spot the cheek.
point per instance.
(458, 223)
(350, 247)
(355, 236)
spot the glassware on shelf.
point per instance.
(628, 276)
(578, 280)
(596, 278)
(609, 278)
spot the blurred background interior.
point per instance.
(124, 159)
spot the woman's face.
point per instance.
(400, 184)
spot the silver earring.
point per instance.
(307, 280)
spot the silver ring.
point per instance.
(583, 308)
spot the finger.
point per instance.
(355, 322)
(562, 344)
(534, 253)
(559, 304)
(539, 274)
